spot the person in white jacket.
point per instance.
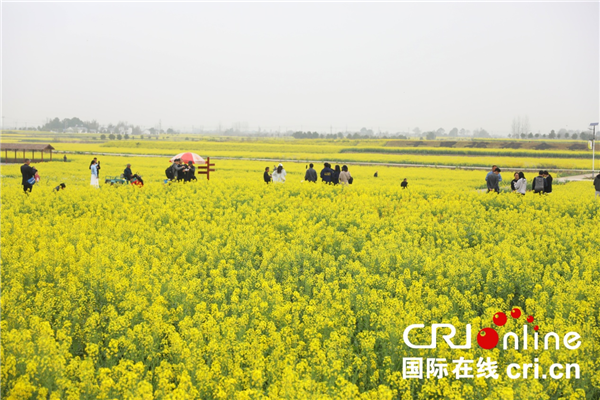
(279, 174)
(521, 184)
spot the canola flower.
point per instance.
(231, 288)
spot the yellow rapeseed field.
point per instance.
(234, 289)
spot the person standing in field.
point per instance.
(404, 184)
(190, 175)
(65, 158)
(345, 177)
(375, 175)
(28, 173)
(493, 181)
(494, 168)
(94, 178)
(512, 183)
(521, 183)
(326, 173)
(267, 176)
(279, 174)
(597, 185)
(127, 173)
(311, 174)
(335, 178)
(548, 179)
(539, 183)
(178, 169)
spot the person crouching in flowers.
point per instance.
(279, 174)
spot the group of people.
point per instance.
(541, 183)
(128, 175)
(328, 175)
(331, 176)
(180, 171)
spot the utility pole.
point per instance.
(593, 125)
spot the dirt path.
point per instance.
(584, 177)
(363, 163)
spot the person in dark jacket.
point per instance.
(539, 183)
(335, 178)
(326, 173)
(548, 180)
(28, 172)
(404, 184)
(178, 170)
(311, 174)
(597, 185)
(190, 174)
(375, 175)
(127, 173)
(267, 176)
(493, 181)
(59, 187)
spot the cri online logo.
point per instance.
(488, 338)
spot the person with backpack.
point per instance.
(28, 173)
(521, 183)
(493, 181)
(311, 174)
(345, 178)
(548, 179)
(326, 173)
(174, 171)
(539, 183)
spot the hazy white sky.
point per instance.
(388, 66)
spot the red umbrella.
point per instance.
(187, 157)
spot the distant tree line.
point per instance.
(122, 128)
(561, 134)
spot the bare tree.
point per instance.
(520, 125)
